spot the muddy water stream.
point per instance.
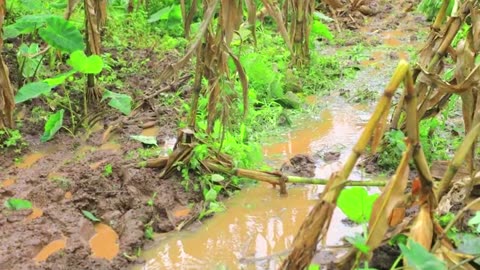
(258, 222)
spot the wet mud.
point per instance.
(66, 176)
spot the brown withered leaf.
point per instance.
(231, 17)
(422, 227)
(391, 197)
(396, 217)
(276, 14)
(434, 79)
(243, 79)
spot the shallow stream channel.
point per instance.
(259, 222)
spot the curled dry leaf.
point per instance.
(422, 228)
(391, 198)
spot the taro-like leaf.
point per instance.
(59, 79)
(80, 62)
(62, 34)
(419, 258)
(90, 216)
(17, 204)
(320, 29)
(32, 90)
(161, 15)
(217, 178)
(119, 101)
(29, 65)
(211, 195)
(475, 221)
(356, 203)
(152, 140)
(25, 25)
(53, 124)
(359, 241)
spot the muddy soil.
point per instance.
(67, 175)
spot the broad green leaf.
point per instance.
(356, 203)
(32, 90)
(211, 195)
(90, 216)
(175, 13)
(217, 178)
(32, 4)
(25, 25)
(121, 102)
(320, 29)
(359, 242)
(30, 65)
(160, 15)
(62, 34)
(79, 61)
(59, 79)
(313, 267)
(475, 221)
(145, 139)
(469, 243)
(419, 258)
(62, 4)
(17, 204)
(10, 31)
(53, 124)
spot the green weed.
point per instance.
(107, 170)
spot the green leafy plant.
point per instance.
(148, 233)
(151, 201)
(150, 140)
(356, 203)
(391, 149)
(90, 216)
(475, 222)
(52, 126)
(107, 170)
(419, 258)
(17, 204)
(12, 138)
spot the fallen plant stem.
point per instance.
(268, 177)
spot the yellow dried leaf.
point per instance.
(422, 228)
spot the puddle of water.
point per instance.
(151, 131)
(181, 212)
(97, 164)
(110, 146)
(49, 249)
(258, 221)
(104, 244)
(7, 182)
(299, 141)
(311, 100)
(36, 213)
(68, 195)
(30, 159)
(391, 38)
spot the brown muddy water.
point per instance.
(258, 222)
